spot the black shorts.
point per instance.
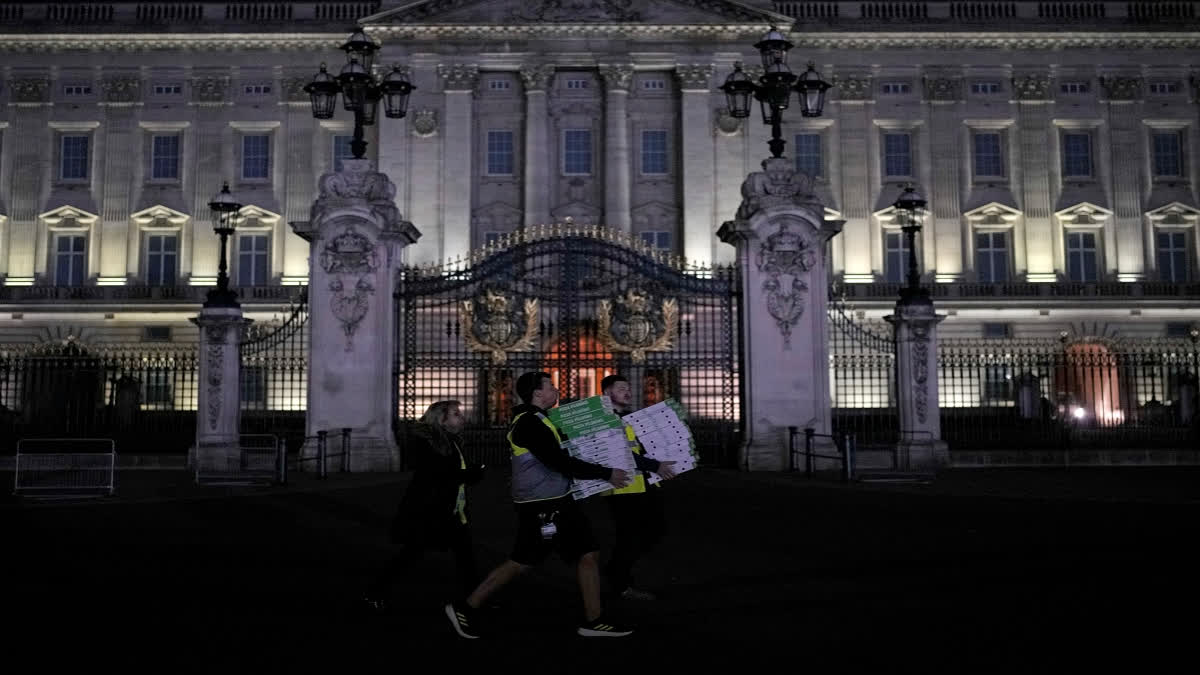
(571, 541)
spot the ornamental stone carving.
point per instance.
(121, 89)
(778, 184)
(920, 355)
(350, 260)
(293, 89)
(617, 77)
(577, 11)
(458, 76)
(784, 259)
(1031, 87)
(696, 76)
(357, 183)
(209, 89)
(30, 90)
(1122, 88)
(725, 123)
(424, 123)
(536, 76)
(853, 87)
(943, 88)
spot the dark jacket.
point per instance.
(529, 432)
(426, 517)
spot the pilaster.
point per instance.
(1125, 133)
(698, 176)
(854, 108)
(944, 95)
(617, 182)
(536, 78)
(458, 86)
(26, 142)
(1032, 91)
(121, 154)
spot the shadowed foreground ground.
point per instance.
(985, 571)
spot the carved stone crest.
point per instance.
(425, 123)
(121, 89)
(458, 76)
(632, 324)
(785, 258)
(491, 323)
(1031, 87)
(350, 260)
(778, 184)
(1122, 88)
(577, 11)
(694, 76)
(293, 89)
(209, 89)
(943, 88)
(30, 90)
(725, 123)
(853, 87)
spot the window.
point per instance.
(158, 388)
(1160, 88)
(156, 334)
(808, 154)
(997, 331)
(252, 259)
(654, 151)
(499, 85)
(1167, 154)
(164, 158)
(70, 262)
(577, 151)
(341, 151)
(897, 155)
(658, 239)
(257, 89)
(1171, 249)
(895, 262)
(1082, 256)
(654, 84)
(253, 384)
(991, 257)
(74, 157)
(995, 383)
(578, 83)
(986, 87)
(893, 88)
(168, 89)
(989, 158)
(1077, 155)
(1177, 329)
(1074, 87)
(77, 89)
(161, 255)
(500, 155)
(256, 156)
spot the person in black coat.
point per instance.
(433, 513)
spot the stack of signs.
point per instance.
(594, 434)
(662, 432)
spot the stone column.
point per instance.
(921, 448)
(1125, 131)
(357, 237)
(536, 78)
(699, 190)
(25, 142)
(781, 235)
(299, 179)
(458, 83)
(213, 140)
(617, 182)
(854, 110)
(122, 96)
(1032, 92)
(943, 95)
(218, 395)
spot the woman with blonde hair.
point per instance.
(433, 512)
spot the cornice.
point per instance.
(1032, 40)
(176, 42)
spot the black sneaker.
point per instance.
(462, 618)
(604, 628)
(375, 604)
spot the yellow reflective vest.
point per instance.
(533, 481)
(638, 484)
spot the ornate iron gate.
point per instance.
(579, 303)
(863, 369)
(274, 375)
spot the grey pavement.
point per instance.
(1015, 570)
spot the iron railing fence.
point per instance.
(274, 375)
(862, 372)
(1069, 394)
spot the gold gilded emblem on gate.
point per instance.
(630, 323)
(491, 325)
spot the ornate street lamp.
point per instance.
(360, 90)
(774, 88)
(910, 209)
(225, 209)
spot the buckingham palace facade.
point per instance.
(1056, 143)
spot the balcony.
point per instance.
(179, 295)
(1022, 292)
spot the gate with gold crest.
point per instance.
(579, 302)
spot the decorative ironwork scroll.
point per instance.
(636, 326)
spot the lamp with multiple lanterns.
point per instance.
(225, 210)
(910, 209)
(774, 88)
(361, 91)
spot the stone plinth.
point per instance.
(781, 234)
(218, 395)
(921, 448)
(356, 236)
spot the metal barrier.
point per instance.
(260, 460)
(50, 472)
(322, 457)
(844, 442)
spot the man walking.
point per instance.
(637, 508)
(548, 518)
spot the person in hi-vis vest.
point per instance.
(548, 517)
(637, 508)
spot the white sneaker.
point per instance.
(632, 593)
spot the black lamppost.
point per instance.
(910, 209)
(360, 90)
(774, 88)
(225, 209)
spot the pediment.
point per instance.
(580, 212)
(547, 13)
(655, 215)
(1176, 214)
(993, 214)
(497, 216)
(160, 215)
(67, 213)
(1083, 213)
(253, 215)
